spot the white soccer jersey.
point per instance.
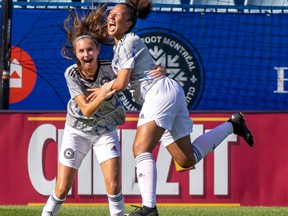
(131, 53)
(108, 116)
(165, 99)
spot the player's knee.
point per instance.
(61, 192)
(140, 147)
(137, 149)
(113, 187)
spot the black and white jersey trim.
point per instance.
(73, 72)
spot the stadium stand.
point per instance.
(238, 6)
(212, 3)
(265, 4)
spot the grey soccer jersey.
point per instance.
(132, 53)
(109, 115)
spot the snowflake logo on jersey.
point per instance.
(181, 59)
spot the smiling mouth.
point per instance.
(112, 27)
(87, 61)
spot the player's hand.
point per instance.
(158, 71)
(94, 94)
(106, 91)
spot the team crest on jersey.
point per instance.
(69, 153)
(182, 61)
(104, 80)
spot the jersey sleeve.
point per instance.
(73, 83)
(128, 53)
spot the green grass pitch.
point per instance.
(163, 211)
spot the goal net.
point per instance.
(227, 55)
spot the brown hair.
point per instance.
(137, 9)
(93, 24)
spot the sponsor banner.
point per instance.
(224, 61)
(233, 173)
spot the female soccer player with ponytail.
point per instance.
(164, 114)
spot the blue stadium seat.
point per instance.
(164, 5)
(267, 3)
(218, 3)
(102, 1)
(45, 3)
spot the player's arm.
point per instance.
(122, 80)
(123, 77)
(94, 94)
(158, 71)
(88, 108)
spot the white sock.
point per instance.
(147, 177)
(207, 142)
(116, 204)
(53, 205)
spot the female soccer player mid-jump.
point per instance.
(164, 114)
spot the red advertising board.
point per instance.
(233, 174)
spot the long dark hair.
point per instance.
(137, 9)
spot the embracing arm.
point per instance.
(122, 81)
(88, 108)
(123, 77)
(119, 84)
(158, 71)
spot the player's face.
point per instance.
(118, 22)
(87, 53)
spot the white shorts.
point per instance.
(165, 103)
(76, 145)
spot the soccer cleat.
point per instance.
(240, 128)
(143, 211)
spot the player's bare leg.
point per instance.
(64, 182)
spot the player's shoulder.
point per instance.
(71, 71)
(131, 36)
(133, 40)
(104, 62)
